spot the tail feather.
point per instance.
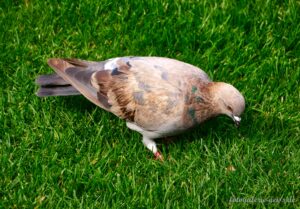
(79, 74)
(54, 85)
(51, 80)
(73, 77)
(57, 91)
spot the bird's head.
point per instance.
(229, 101)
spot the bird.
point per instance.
(157, 96)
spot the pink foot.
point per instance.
(158, 156)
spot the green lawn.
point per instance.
(64, 152)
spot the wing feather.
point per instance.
(79, 77)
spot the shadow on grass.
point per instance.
(78, 103)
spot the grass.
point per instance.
(67, 153)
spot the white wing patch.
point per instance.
(111, 64)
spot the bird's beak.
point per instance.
(237, 120)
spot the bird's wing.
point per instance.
(78, 73)
(138, 91)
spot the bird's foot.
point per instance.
(158, 156)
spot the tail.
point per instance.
(54, 85)
(73, 77)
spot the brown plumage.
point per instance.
(156, 96)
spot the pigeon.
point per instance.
(158, 97)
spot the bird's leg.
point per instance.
(151, 145)
(147, 141)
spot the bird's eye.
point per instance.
(229, 108)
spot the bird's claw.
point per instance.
(158, 156)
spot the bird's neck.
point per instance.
(215, 95)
